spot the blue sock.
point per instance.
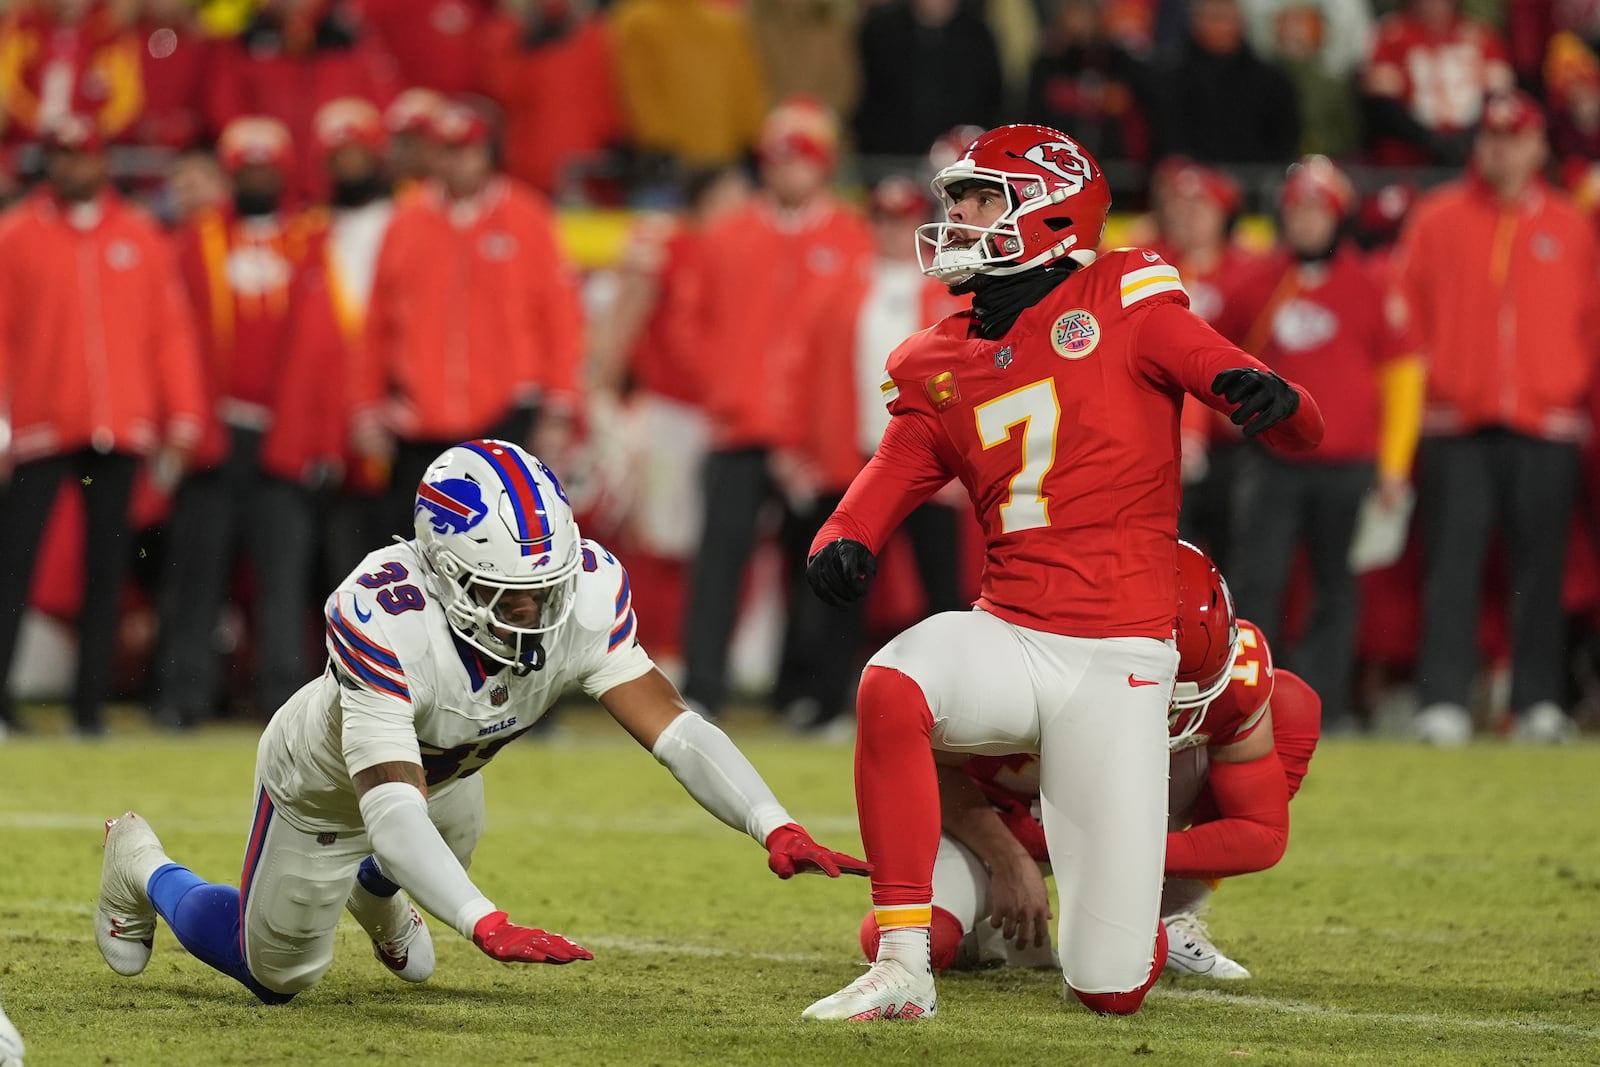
(205, 918)
(372, 879)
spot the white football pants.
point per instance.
(1095, 712)
(295, 883)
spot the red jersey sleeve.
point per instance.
(908, 468)
(1252, 830)
(1175, 350)
(1296, 726)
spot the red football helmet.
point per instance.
(1319, 179)
(1208, 640)
(1057, 200)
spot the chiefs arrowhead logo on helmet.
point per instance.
(1063, 159)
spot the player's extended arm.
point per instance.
(719, 777)
(1019, 903)
(394, 807)
(1251, 830)
(1177, 348)
(904, 472)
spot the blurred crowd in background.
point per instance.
(606, 102)
(263, 261)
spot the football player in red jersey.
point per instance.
(1241, 738)
(1055, 401)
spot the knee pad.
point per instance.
(278, 977)
(1127, 1003)
(890, 698)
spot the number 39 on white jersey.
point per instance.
(399, 686)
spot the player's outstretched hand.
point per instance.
(841, 571)
(790, 851)
(510, 943)
(1263, 399)
(1019, 904)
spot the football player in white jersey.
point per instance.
(441, 651)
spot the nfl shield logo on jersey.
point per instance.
(1075, 334)
(1002, 358)
(499, 694)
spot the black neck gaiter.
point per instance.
(997, 300)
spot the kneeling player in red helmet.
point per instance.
(1241, 736)
(1055, 402)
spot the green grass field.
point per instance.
(1434, 908)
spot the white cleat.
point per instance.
(1544, 724)
(10, 1043)
(124, 920)
(1444, 725)
(409, 953)
(887, 991)
(1190, 951)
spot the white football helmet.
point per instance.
(493, 522)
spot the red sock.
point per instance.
(1128, 1003)
(944, 939)
(897, 790)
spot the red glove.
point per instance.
(509, 943)
(790, 851)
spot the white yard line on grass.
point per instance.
(645, 946)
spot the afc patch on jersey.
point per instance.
(1075, 334)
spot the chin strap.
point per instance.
(524, 668)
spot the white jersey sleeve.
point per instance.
(611, 653)
(376, 695)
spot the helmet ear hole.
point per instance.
(1059, 223)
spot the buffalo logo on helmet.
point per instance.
(1075, 334)
(1063, 159)
(455, 505)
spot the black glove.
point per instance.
(1263, 398)
(840, 572)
